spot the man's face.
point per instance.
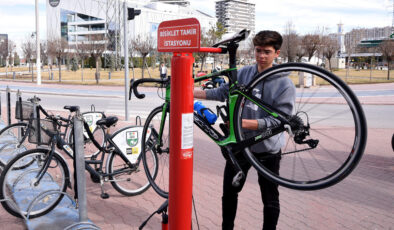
(265, 56)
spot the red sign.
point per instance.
(179, 36)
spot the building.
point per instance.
(175, 2)
(236, 15)
(361, 45)
(79, 20)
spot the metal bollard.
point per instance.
(13, 75)
(8, 96)
(109, 75)
(51, 76)
(80, 166)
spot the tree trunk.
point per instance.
(97, 75)
(82, 65)
(59, 65)
(329, 64)
(143, 65)
(202, 63)
(388, 70)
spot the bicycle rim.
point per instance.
(11, 137)
(159, 179)
(128, 181)
(17, 184)
(335, 118)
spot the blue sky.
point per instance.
(17, 17)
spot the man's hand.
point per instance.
(250, 124)
(199, 93)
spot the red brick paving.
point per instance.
(364, 200)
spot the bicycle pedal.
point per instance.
(104, 195)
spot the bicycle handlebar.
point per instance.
(134, 85)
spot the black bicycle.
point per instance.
(33, 172)
(15, 136)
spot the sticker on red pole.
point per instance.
(179, 36)
(187, 131)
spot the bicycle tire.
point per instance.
(159, 180)
(132, 181)
(18, 184)
(334, 158)
(90, 149)
(11, 136)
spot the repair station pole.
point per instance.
(182, 38)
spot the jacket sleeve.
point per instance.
(218, 94)
(284, 102)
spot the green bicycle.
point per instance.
(325, 134)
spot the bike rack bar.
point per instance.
(19, 98)
(80, 166)
(8, 95)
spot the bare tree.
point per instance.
(144, 45)
(311, 43)
(82, 50)
(215, 33)
(3, 51)
(387, 50)
(44, 53)
(96, 48)
(28, 48)
(299, 49)
(330, 47)
(11, 50)
(204, 42)
(58, 48)
(289, 46)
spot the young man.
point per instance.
(279, 92)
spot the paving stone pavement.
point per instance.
(364, 200)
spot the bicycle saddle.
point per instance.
(71, 108)
(107, 121)
(240, 36)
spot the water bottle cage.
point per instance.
(203, 114)
(222, 112)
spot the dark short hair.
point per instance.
(268, 38)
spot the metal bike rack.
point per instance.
(42, 195)
(80, 174)
(13, 204)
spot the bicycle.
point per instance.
(17, 133)
(314, 158)
(48, 170)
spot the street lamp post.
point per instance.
(38, 59)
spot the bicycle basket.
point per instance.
(27, 110)
(47, 130)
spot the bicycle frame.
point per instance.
(230, 139)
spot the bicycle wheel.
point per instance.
(89, 148)
(158, 146)
(14, 140)
(18, 185)
(326, 112)
(128, 179)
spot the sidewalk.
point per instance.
(364, 200)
